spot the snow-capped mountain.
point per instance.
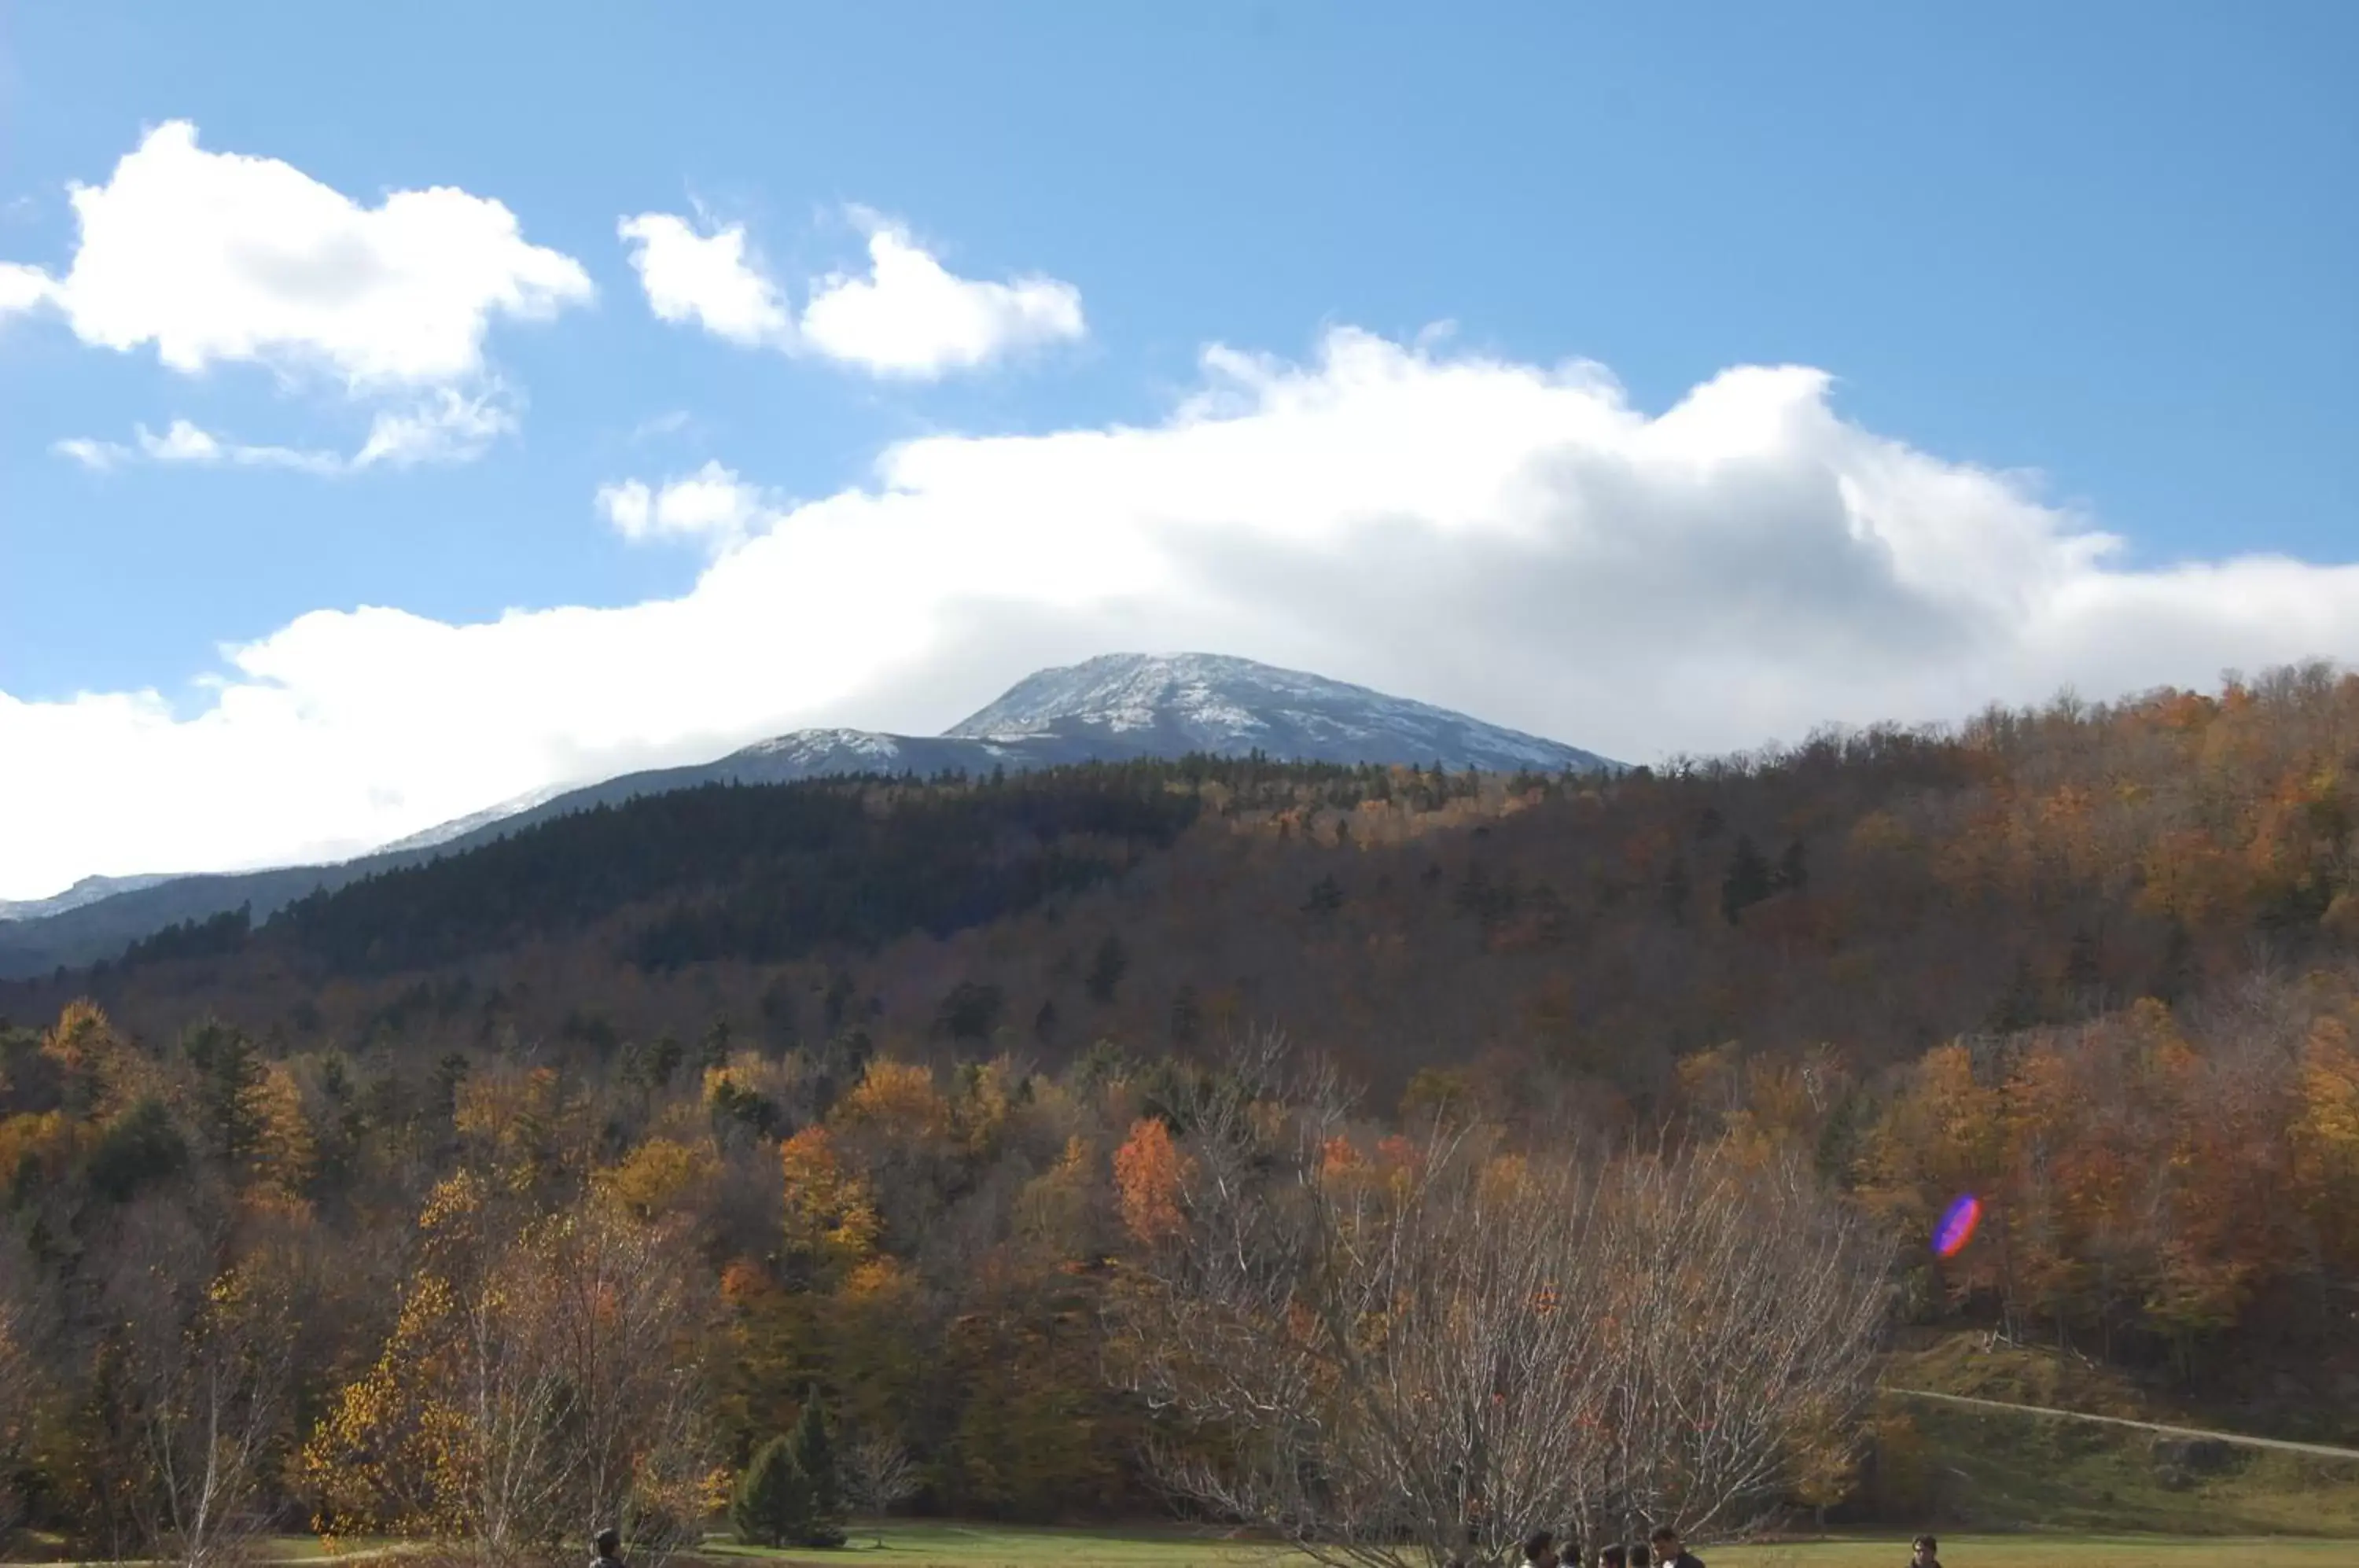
(89, 890)
(1171, 704)
(1106, 709)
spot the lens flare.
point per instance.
(1957, 1226)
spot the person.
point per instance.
(1539, 1549)
(1921, 1552)
(1613, 1556)
(1670, 1552)
(608, 1543)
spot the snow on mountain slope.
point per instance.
(1203, 702)
(1110, 708)
(89, 890)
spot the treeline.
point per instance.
(675, 1253)
(2089, 963)
(751, 872)
(1882, 892)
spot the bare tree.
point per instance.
(1742, 1306)
(1416, 1354)
(626, 1308)
(207, 1361)
(18, 1373)
(878, 1475)
(542, 1377)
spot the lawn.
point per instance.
(916, 1545)
(954, 1546)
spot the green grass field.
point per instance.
(900, 1544)
(2002, 1470)
(955, 1546)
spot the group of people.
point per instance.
(1667, 1551)
(1664, 1549)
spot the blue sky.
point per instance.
(2096, 259)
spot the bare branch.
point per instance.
(1417, 1355)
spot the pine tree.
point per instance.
(1676, 891)
(1326, 896)
(813, 1454)
(1106, 970)
(1748, 882)
(772, 1500)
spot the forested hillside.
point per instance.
(887, 1082)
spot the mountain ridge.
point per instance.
(1113, 707)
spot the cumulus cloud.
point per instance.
(712, 504)
(21, 287)
(1515, 541)
(910, 316)
(710, 281)
(218, 257)
(906, 316)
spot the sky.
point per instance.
(405, 409)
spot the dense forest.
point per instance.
(857, 1094)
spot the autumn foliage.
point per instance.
(2094, 965)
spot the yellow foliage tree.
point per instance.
(541, 1371)
(830, 1219)
(2324, 1138)
(661, 1178)
(897, 1097)
(1148, 1170)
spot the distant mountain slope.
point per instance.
(1110, 708)
(1139, 704)
(89, 890)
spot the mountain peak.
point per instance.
(1171, 702)
(1112, 708)
(1122, 692)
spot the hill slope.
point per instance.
(2099, 966)
(1116, 707)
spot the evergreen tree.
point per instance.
(229, 1072)
(813, 1454)
(772, 1501)
(712, 1050)
(1107, 969)
(1676, 891)
(1748, 882)
(971, 1011)
(1187, 1016)
(1326, 896)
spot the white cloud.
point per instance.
(448, 427)
(665, 424)
(21, 287)
(712, 504)
(185, 443)
(97, 454)
(218, 257)
(709, 279)
(908, 316)
(912, 316)
(1514, 541)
